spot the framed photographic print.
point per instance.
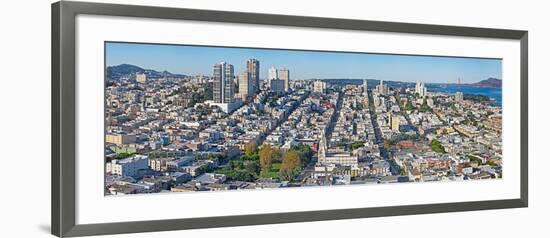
(227, 119)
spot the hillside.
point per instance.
(118, 71)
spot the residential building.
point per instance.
(253, 70)
(284, 74)
(141, 78)
(272, 74)
(120, 138)
(224, 88)
(395, 123)
(127, 167)
(246, 85)
(319, 86)
(420, 89)
(459, 96)
(277, 85)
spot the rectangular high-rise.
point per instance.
(224, 87)
(245, 85)
(284, 74)
(253, 69)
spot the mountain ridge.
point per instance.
(115, 72)
(488, 83)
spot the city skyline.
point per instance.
(232, 131)
(195, 60)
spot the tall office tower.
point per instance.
(284, 74)
(272, 74)
(223, 83)
(246, 87)
(253, 69)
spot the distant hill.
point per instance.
(118, 71)
(488, 83)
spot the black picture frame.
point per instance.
(64, 133)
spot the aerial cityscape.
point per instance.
(221, 118)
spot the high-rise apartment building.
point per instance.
(421, 89)
(253, 69)
(284, 74)
(382, 89)
(246, 86)
(272, 73)
(319, 86)
(224, 87)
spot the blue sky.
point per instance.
(193, 60)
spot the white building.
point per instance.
(141, 78)
(382, 89)
(319, 86)
(365, 87)
(128, 167)
(459, 96)
(272, 74)
(325, 158)
(420, 88)
(226, 107)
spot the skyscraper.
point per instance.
(365, 87)
(253, 69)
(284, 74)
(246, 88)
(224, 87)
(382, 89)
(272, 73)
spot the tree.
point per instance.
(436, 146)
(305, 152)
(291, 160)
(252, 166)
(357, 144)
(251, 148)
(287, 175)
(291, 165)
(123, 155)
(268, 154)
(386, 144)
(474, 158)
